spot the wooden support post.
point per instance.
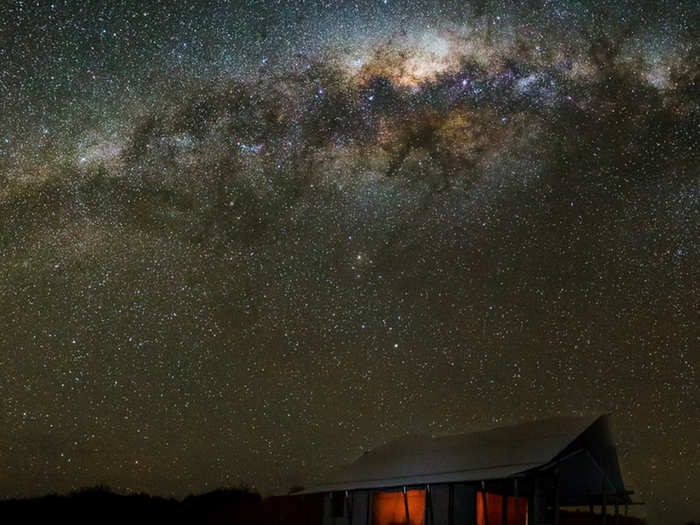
(451, 504)
(405, 505)
(504, 509)
(557, 495)
(483, 501)
(429, 517)
(348, 506)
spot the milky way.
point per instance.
(242, 244)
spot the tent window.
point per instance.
(338, 504)
(389, 508)
(517, 509)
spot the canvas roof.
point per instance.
(485, 455)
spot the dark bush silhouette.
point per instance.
(100, 505)
(93, 505)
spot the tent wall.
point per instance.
(351, 509)
(361, 506)
(331, 510)
(464, 504)
(450, 504)
(440, 500)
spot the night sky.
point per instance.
(242, 243)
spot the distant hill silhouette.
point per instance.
(100, 505)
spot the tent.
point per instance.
(515, 475)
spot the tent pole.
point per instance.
(348, 504)
(504, 509)
(483, 501)
(405, 505)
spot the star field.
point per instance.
(242, 243)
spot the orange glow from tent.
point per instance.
(494, 506)
(388, 507)
(517, 509)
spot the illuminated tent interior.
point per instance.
(515, 475)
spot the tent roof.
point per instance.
(490, 454)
